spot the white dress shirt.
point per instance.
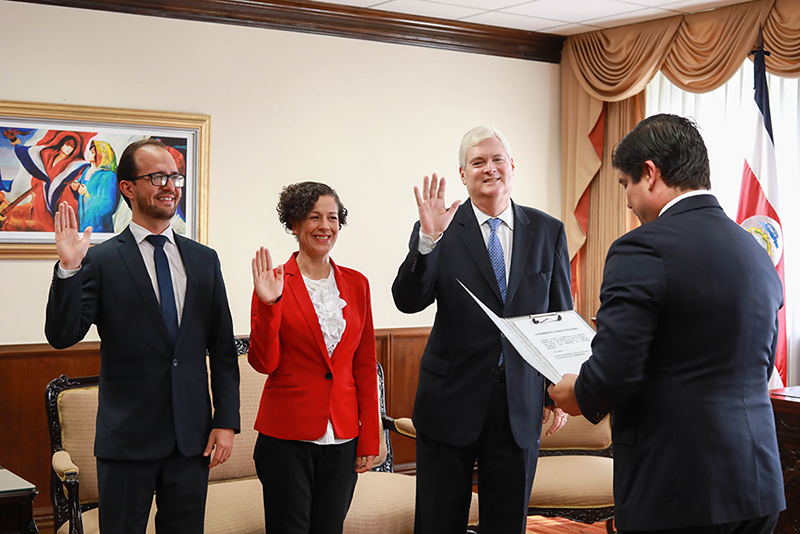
(176, 268)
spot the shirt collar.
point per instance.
(140, 233)
(507, 216)
(696, 192)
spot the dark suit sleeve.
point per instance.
(634, 285)
(414, 287)
(71, 306)
(223, 360)
(560, 285)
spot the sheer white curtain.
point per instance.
(726, 117)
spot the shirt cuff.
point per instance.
(426, 243)
(66, 273)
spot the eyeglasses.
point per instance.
(160, 179)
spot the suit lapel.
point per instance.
(293, 281)
(190, 264)
(523, 237)
(472, 238)
(347, 312)
(132, 258)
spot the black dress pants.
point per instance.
(505, 477)
(126, 491)
(307, 487)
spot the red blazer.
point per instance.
(305, 386)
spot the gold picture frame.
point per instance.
(25, 127)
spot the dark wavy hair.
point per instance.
(297, 201)
(674, 144)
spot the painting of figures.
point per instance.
(46, 160)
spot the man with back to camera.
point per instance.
(159, 303)
(686, 338)
(477, 399)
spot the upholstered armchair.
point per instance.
(575, 474)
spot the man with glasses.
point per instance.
(159, 303)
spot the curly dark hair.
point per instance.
(297, 201)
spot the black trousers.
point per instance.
(126, 490)
(505, 478)
(307, 487)
(761, 525)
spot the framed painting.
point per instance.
(51, 153)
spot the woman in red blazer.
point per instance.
(311, 332)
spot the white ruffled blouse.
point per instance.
(328, 305)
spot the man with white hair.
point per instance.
(477, 399)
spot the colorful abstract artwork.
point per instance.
(46, 159)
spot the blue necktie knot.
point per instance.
(157, 240)
(168, 308)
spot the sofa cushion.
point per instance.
(578, 433)
(241, 464)
(573, 482)
(235, 507)
(77, 410)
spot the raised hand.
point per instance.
(268, 283)
(434, 215)
(71, 245)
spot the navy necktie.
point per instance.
(498, 262)
(168, 309)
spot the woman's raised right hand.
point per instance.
(268, 283)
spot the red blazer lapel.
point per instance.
(293, 281)
(345, 293)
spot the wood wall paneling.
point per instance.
(343, 21)
(25, 371)
(400, 358)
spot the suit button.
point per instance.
(328, 376)
(175, 362)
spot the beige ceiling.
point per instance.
(561, 17)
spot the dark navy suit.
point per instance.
(686, 337)
(456, 383)
(154, 396)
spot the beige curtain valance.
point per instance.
(697, 52)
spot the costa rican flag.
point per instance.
(758, 198)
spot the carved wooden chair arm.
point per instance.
(401, 425)
(68, 472)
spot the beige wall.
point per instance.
(370, 119)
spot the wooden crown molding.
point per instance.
(343, 21)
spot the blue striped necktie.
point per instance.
(498, 262)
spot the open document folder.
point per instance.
(552, 343)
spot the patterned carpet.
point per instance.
(556, 525)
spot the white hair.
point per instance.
(476, 136)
